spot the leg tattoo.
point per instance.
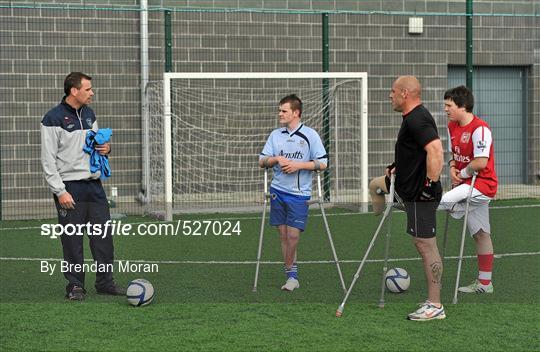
(436, 271)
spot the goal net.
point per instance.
(207, 130)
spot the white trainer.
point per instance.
(291, 284)
(477, 287)
(427, 311)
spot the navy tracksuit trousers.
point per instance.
(91, 206)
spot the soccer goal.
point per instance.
(207, 131)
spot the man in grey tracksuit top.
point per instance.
(78, 194)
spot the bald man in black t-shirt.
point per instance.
(418, 165)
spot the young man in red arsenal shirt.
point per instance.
(471, 145)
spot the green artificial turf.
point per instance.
(204, 299)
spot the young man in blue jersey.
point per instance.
(293, 151)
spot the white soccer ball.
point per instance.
(397, 280)
(140, 292)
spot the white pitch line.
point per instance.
(258, 217)
(250, 262)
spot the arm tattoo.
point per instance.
(436, 271)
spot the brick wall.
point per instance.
(39, 46)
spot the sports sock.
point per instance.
(485, 267)
(292, 272)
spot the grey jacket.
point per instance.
(63, 134)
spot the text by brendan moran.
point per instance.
(121, 266)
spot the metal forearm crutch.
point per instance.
(460, 259)
(386, 213)
(445, 236)
(386, 249)
(259, 252)
(329, 234)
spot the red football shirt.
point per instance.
(472, 141)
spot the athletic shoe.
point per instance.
(76, 293)
(477, 287)
(291, 284)
(427, 311)
(113, 289)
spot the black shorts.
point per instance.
(421, 216)
(421, 219)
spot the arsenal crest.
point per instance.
(465, 137)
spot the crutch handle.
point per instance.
(319, 183)
(392, 189)
(473, 181)
(265, 181)
(319, 192)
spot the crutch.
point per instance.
(266, 197)
(386, 213)
(329, 234)
(460, 259)
(445, 236)
(387, 246)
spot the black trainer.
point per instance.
(113, 289)
(76, 293)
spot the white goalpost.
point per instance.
(207, 130)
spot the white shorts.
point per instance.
(454, 201)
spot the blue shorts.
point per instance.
(288, 209)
